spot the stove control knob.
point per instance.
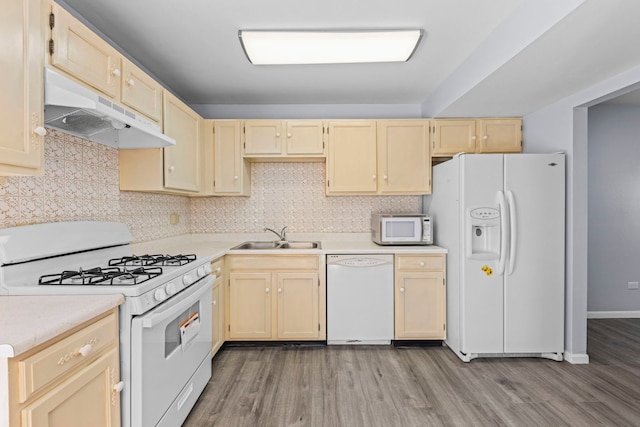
(160, 295)
(201, 271)
(207, 268)
(187, 280)
(171, 288)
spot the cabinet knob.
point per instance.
(235, 177)
(266, 290)
(279, 290)
(277, 134)
(473, 138)
(401, 289)
(131, 82)
(373, 177)
(172, 168)
(40, 131)
(386, 177)
(214, 302)
(118, 386)
(485, 137)
(85, 350)
(115, 72)
(421, 263)
(289, 135)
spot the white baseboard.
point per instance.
(576, 359)
(613, 314)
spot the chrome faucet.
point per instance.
(282, 235)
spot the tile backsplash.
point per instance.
(292, 194)
(80, 182)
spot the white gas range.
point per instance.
(165, 320)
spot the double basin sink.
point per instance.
(262, 245)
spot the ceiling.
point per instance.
(498, 57)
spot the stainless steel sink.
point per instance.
(260, 245)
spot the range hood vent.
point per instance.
(72, 108)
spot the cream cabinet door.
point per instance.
(230, 171)
(298, 307)
(216, 318)
(250, 306)
(404, 161)
(304, 137)
(21, 85)
(420, 305)
(141, 92)
(88, 398)
(182, 161)
(453, 136)
(262, 137)
(79, 52)
(500, 135)
(351, 160)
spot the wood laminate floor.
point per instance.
(353, 386)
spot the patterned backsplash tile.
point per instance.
(81, 183)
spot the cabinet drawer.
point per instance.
(37, 371)
(420, 262)
(271, 262)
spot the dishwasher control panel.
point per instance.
(360, 260)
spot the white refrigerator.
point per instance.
(502, 219)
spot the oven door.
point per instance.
(168, 345)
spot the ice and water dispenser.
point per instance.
(483, 238)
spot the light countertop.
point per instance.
(215, 245)
(28, 321)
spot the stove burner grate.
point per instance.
(163, 260)
(102, 276)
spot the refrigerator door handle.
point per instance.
(512, 231)
(504, 232)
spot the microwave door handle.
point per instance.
(154, 317)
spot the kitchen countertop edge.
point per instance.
(30, 320)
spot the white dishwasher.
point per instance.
(359, 299)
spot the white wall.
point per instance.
(563, 126)
(614, 208)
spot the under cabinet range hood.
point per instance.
(75, 109)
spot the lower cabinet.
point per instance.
(72, 380)
(420, 297)
(275, 297)
(217, 305)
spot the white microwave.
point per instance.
(401, 229)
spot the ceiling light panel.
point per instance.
(328, 47)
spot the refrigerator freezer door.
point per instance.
(534, 283)
(481, 289)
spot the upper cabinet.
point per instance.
(351, 157)
(452, 136)
(177, 169)
(283, 139)
(230, 170)
(141, 92)
(21, 84)
(378, 157)
(404, 162)
(83, 55)
(182, 161)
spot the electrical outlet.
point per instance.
(632, 285)
(174, 219)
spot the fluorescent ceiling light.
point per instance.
(328, 47)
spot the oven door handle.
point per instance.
(184, 302)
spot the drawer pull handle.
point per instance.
(85, 350)
(117, 387)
